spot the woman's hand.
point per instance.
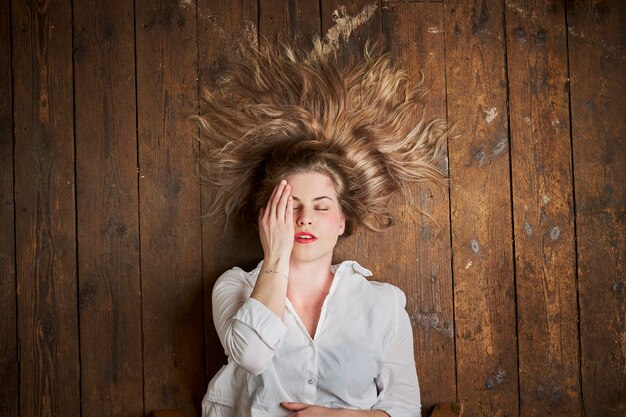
(276, 232)
(310, 410)
(276, 229)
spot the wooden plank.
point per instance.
(448, 410)
(484, 292)
(421, 263)
(349, 26)
(45, 243)
(235, 244)
(9, 372)
(289, 20)
(108, 229)
(171, 262)
(411, 1)
(597, 56)
(543, 210)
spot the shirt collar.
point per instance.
(356, 267)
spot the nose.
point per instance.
(303, 217)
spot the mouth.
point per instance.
(305, 237)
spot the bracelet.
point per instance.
(271, 271)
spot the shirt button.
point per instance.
(311, 381)
(311, 344)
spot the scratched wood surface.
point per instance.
(107, 220)
(221, 26)
(169, 197)
(9, 389)
(414, 33)
(543, 210)
(480, 200)
(597, 73)
(45, 210)
(516, 293)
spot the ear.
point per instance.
(342, 225)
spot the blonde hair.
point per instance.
(283, 110)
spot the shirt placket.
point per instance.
(310, 371)
(311, 374)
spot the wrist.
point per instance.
(276, 263)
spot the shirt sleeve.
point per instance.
(249, 331)
(397, 383)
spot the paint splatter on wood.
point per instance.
(433, 321)
(346, 24)
(491, 115)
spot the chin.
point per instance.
(307, 256)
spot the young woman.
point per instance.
(313, 149)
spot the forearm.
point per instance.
(364, 413)
(271, 287)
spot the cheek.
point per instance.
(333, 220)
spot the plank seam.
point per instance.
(17, 322)
(508, 119)
(321, 18)
(571, 141)
(258, 22)
(445, 83)
(138, 174)
(204, 284)
(80, 362)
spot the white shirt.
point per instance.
(361, 356)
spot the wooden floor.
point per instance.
(517, 293)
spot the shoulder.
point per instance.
(237, 277)
(358, 276)
(390, 292)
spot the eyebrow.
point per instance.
(315, 199)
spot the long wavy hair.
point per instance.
(281, 109)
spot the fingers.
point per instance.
(268, 206)
(279, 201)
(289, 211)
(283, 203)
(294, 406)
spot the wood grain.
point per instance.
(9, 372)
(597, 53)
(543, 210)
(416, 256)
(484, 281)
(169, 197)
(224, 246)
(108, 212)
(538, 244)
(45, 230)
(289, 20)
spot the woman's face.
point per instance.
(317, 217)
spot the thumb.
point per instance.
(294, 406)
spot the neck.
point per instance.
(311, 276)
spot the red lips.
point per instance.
(305, 237)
